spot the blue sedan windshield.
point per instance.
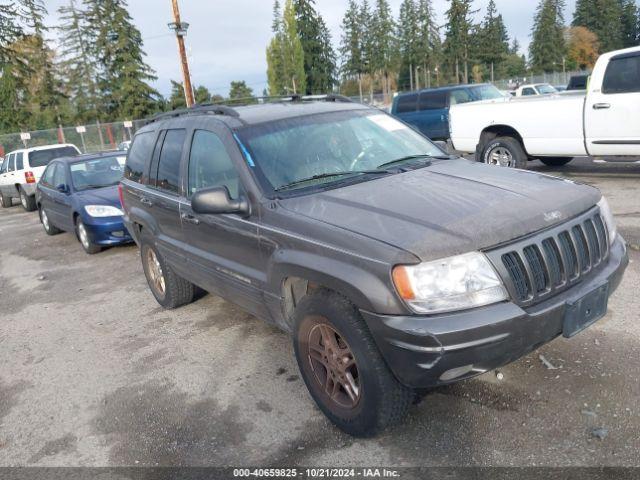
(96, 173)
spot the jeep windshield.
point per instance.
(333, 149)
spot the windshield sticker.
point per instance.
(388, 123)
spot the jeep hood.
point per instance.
(450, 207)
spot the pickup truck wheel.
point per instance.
(343, 369)
(170, 290)
(46, 223)
(505, 152)
(28, 201)
(555, 161)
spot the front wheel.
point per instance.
(343, 369)
(85, 239)
(555, 161)
(504, 152)
(28, 201)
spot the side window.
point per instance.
(47, 177)
(168, 175)
(138, 155)
(622, 75)
(58, 177)
(12, 162)
(432, 101)
(3, 167)
(19, 162)
(528, 91)
(407, 103)
(210, 164)
(460, 96)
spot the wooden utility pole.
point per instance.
(181, 30)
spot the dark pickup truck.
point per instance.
(394, 266)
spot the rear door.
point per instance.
(222, 249)
(612, 113)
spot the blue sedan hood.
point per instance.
(99, 196)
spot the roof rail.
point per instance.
(198, 108)
(331, 97)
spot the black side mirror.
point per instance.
(217, 200)
(62, 188)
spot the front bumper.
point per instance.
(108, 231)
(435, 350)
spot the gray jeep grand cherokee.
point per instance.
(394, 266)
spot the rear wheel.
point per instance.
(555, 161)
(28, 201)
(504, 152)
(46, 223)
(85, 239)
(169, 289)
(343, 369)
(6, 201)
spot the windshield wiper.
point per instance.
(332, 175)
(423, 156)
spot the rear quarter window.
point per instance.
(407, 103)
(432, 101)
(622, 75)
(139, 154)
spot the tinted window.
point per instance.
(460, 96)
(41, 158)
(12, 163)
(169, 165)
(623, 75)
(139, 153)
(433, 101)
(528, 91)
(59, 176)
(210, 164)
(5, 164)
(47, 177)
(19, 161)
(407, 103)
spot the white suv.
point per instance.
(21, 170)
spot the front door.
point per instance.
(223, 249)
(59, 205)
(612, 113)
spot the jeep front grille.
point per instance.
(537, 267)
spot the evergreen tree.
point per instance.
(630, 19)
(12, 113)
(547, 48)
(429, 49)
(319, 56)
(409, 42)
(176, 97)
(240, 90)
(457, 39)
(602, 17)
(123, 76)
(10, 31)
(202, 94)
(515, 64)
(77, 65)
(351, 45)
(383, 43)
(492, 45)
(285, 56)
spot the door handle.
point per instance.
(187, 217)
(601, 106)
(146, 201)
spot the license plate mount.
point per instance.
(584, 312)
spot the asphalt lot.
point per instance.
(93, 372)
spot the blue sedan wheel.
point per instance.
(85, 239)
(46, 223)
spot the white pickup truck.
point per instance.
(603, 122)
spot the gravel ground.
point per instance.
(95, 373)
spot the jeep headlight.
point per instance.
(103, 211)
(454, 283)
(609, 221)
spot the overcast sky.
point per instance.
(227, 38)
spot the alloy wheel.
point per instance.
(45, 219)
(501, 157)
(84, 236)
(155, 272)
(334, 366)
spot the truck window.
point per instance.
(622, 75)
(210, 165)
(432, 101)
(407, 103)
(139, 153)
(528, 92)
(459, 96)
(168, 175)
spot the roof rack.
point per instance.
(331, 97)
(199, 108)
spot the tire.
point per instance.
(175, 290)
(380, 400)
(28, 201)
(6, 201)
(555, 161)
(49, 228)
(505, 152)
(83, 236)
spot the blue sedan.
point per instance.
(80, 194)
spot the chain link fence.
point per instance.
(89, 138)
